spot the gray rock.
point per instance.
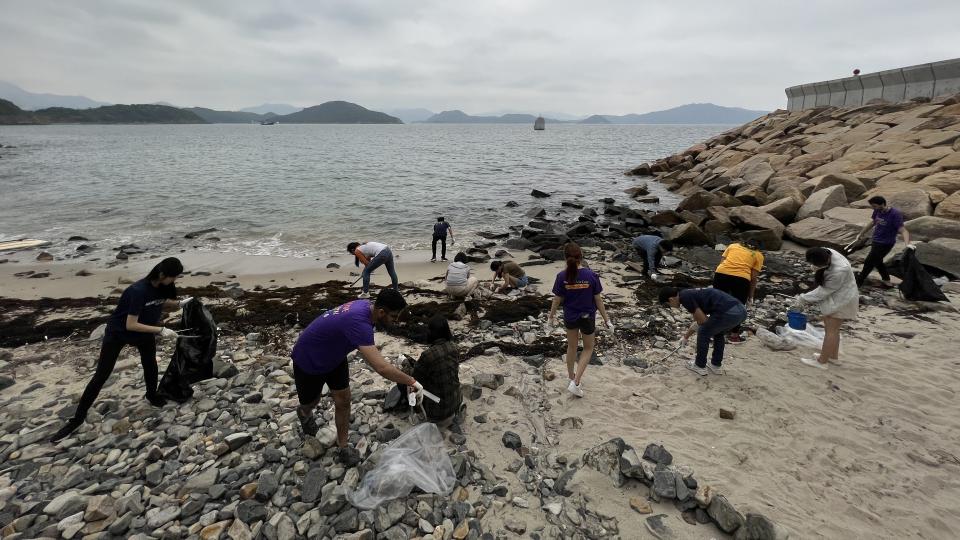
(201, 482)
(537, 360)
(515, 526)
(121, 524)
(560, 485)
(346, 521)
(267, 485)
(236, 440)
(250, 511)
(511, 440)
(942, 254)
(65, 504)
(488, 380)
(657, 454)
(605, 458)
(635, 361)
(332, 502)
(99, 507)
(313, 482)
(756, 527)
(724, 514)
(157, 517)
(664, 482)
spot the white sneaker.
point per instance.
(812, 362)
(715, 370)
(692, 366)
(364, 295)
(575, 389)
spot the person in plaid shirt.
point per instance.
(438, 370)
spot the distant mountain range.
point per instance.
(411, 115)
(108, 114)
(694, 113)
(460, 117)
(30, 101)
(275, 108)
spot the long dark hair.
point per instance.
(574, 255)
(169, 267)
(438, 329)
(820, 257)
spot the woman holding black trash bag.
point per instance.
(133, 322)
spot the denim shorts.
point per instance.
(523, 282)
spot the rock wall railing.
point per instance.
(894, 85)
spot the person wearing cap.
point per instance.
(320, 358)
(737, 276)
(440, 231)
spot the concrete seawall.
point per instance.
(894, 85)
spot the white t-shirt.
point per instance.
(457, 274)
(372, 249)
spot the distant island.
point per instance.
(337, 112)
(109, 114)
(694, 113)
(460, 117)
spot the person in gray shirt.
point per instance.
(651, 249)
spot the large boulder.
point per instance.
(766, 239)
(857, 216)
(942, 254)
(758, 174)
(888, 188)
(819, 232)
(687, 234)
(749, 217)
(931, 227)
(788, 191)
(949, 207)
(784, 209)
(719, 213)
(821, 201)
(666, 218)
(913, 204)
(853, 188)
(946, 181)
(751, 195)
(698, 200)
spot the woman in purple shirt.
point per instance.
(886, 222)
(578, 289)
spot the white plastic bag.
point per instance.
(774, 341)
(418, 458)
(811, 337)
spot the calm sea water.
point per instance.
(306, 190)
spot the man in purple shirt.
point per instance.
(320, 357)
(886, 222)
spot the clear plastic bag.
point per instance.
(811, 337)
(418, 458)
(775, 342)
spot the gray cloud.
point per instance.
(613, 56)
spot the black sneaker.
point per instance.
(348, 456)
(69, 428)
(308, 424)
(156, 400)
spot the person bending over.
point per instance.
(510, 272)
(320, 357)
(440, 231)
(737, 276)
(438, 370)
(651, 249)
(134, 322)
(714, 314)
(372, 255)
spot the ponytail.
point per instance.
(573, 255)
(169, 267)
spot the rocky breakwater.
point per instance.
(806, 176)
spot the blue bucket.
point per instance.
(797, 320)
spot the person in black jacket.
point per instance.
(134, 322)
(438, 370)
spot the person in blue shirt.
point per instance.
(135, 322)
(440, 231)
(714, 313)
(651, 249)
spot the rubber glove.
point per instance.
(683, 343)
(610, 326)
(167, 333)
(912, 245)
(185, 300)
(654, 276)
(415, 396)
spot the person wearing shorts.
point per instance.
(578, 289)
(320, 358)
(510, 272)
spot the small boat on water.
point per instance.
(268, 122)
(539, 124)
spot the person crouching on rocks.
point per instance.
(372, 255)
(460, 283)
(714, 313)
(651, 250)
(578, 289)
(320, 357)
(511, 273)
(438, 370)
(133, 322)
(839, 300)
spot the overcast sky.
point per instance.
(609, 57)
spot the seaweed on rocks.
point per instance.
(510, 311)
(32, 321)
(547, 346)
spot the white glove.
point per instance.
(416, 396)
(610, 326)
(653, 276)
(912, 245)
(167, 333)
(683, 343)
(185, 300)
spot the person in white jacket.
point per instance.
(838, 297)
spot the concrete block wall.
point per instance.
(893, 85)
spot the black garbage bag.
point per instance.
(917, 283)
(192, 359)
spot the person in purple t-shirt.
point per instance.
(579, 290)
(886, 222)
(320, 357)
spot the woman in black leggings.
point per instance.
(133, 322)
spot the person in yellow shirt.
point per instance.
(737, 276)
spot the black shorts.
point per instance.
(735, 286)
(586, 325)
(309, 386)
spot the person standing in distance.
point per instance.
(372, 255)
(440, 231)
(886, 223)
(578, 289)
(134, 322)
(320, 358)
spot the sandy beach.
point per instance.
(866, 449)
